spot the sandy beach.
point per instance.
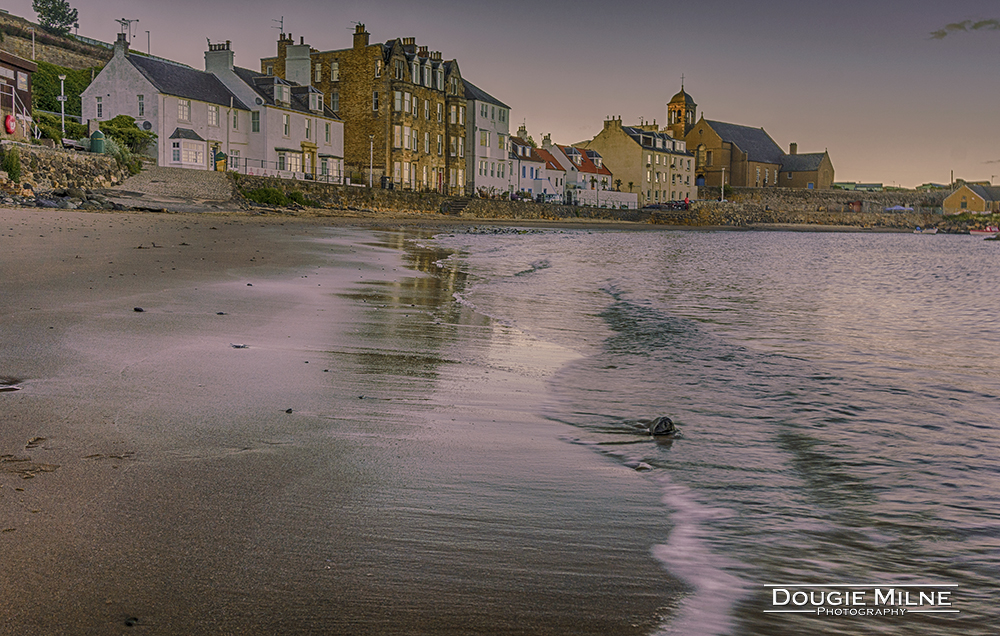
(346, 470)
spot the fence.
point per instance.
(262, 168)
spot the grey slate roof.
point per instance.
(989, 193)
(185, 82)
(186, 133)
(263, 85)
(754, 141)
(638, 134)
(474, 92)
(808, 162)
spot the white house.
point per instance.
(192, 113)
(293, 130)
(527, 168)
(487, 163)
(588, 180)
(551, 184)
(264, 125)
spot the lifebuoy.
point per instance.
(10, 124)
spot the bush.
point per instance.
(11, 163)
(124, 130)
(51, 127)
(267, 196)
(301, 199)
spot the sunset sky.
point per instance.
(895, 94)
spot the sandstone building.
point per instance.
(977, 199)
(404, 108)
(646, 161)
(745, 156)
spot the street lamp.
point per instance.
(371, 159)
(32, 29)
(62, 103)
(723, 184)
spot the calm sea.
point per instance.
(837, 395)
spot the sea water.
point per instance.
(837, 396)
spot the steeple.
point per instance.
(681, 113)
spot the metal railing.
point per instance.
(262, 168)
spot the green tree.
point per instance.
(55, 16)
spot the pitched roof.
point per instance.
(648, 139)
(754, 141)
(186, 133)
(988, 193)
(550, 161)
(474, 92)
(264, 85)
(808, 162)
(532, 152)
(185, 82)
(586, 163)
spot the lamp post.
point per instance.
(32, 29)
(723, 188)
(62, 103)
(147, 43)
(371, 159)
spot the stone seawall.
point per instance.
(47, 169)
(787, 199)
(788, 207)
(349, 197)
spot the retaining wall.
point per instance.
(46, 169)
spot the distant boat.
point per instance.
(926, 230)
(989, 232)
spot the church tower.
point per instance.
(681, 114)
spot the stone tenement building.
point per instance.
(404, 108)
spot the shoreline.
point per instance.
(360, 465)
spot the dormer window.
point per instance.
(281, 93)
(315, 101)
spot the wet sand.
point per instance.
(371, 461)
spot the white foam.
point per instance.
(689, 557)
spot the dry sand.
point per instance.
(153, 480)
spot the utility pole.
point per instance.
(62, 103)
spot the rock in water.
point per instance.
(662, 426)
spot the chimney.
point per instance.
(360, 37)
(422, 51)
(219, 58)
(298, 63)
(410, 45)
(121, 46)
(793, 148)
(547, 141)
(522, 132)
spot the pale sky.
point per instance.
(863, 79)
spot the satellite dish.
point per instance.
(147, 125)
(258, 101)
